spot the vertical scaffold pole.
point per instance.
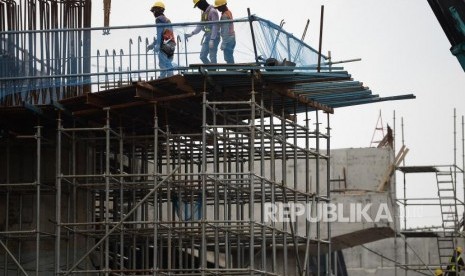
(251, 176)
(155, 194)
(203, 249)
(328, 186)
(317, 180)
(58, 197)
(7, 202)
(121, 195)
(253, 35)
(38, 182)
(463, 162)
(284, 181)
(107, 190)
(262, 179)
(273, 185)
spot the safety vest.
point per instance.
(227, 15)
(204, 18)
(453, 262)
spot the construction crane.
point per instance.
(451, 16)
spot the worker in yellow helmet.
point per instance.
(456, 263)
(211, 37)
(438, 272)
(228, 36)
(165, 43)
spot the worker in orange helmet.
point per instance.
(228, 36)
(456, 263)
(211, 37)
(164, 43)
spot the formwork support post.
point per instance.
(38, 194)
(252, 175)
(58, 196)
(203, 249)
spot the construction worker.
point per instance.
(164, 44)
(438, 272)
(228, 37)
(456, 263)
(211, 37)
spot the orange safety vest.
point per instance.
(227, 15)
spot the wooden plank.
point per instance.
(174, 97)
(94, 100)
(391, 169)
(146, 91)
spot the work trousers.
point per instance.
(165, 64)
(207, 54)
(228, 46)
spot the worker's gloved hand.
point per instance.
(223, 46)
(149, 47)
(211, 44)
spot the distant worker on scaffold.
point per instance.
(456, 263)
(211, 37)
(164, 43)
(228, 36)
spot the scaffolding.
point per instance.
(448, 203)
(172, 176)
(174, 203)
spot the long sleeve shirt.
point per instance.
(209, 15)
(160, 29)
(227, 29)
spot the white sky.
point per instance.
(403, 50)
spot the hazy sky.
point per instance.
(403, 50)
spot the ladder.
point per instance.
(448, 205)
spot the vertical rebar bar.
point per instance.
(320, 43)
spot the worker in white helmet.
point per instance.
(211, 37)
(228, 36)
(165, 43)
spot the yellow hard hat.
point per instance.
(196, 2)
(158, 4)
(438, 272)
(220, 3)
(459, 249)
